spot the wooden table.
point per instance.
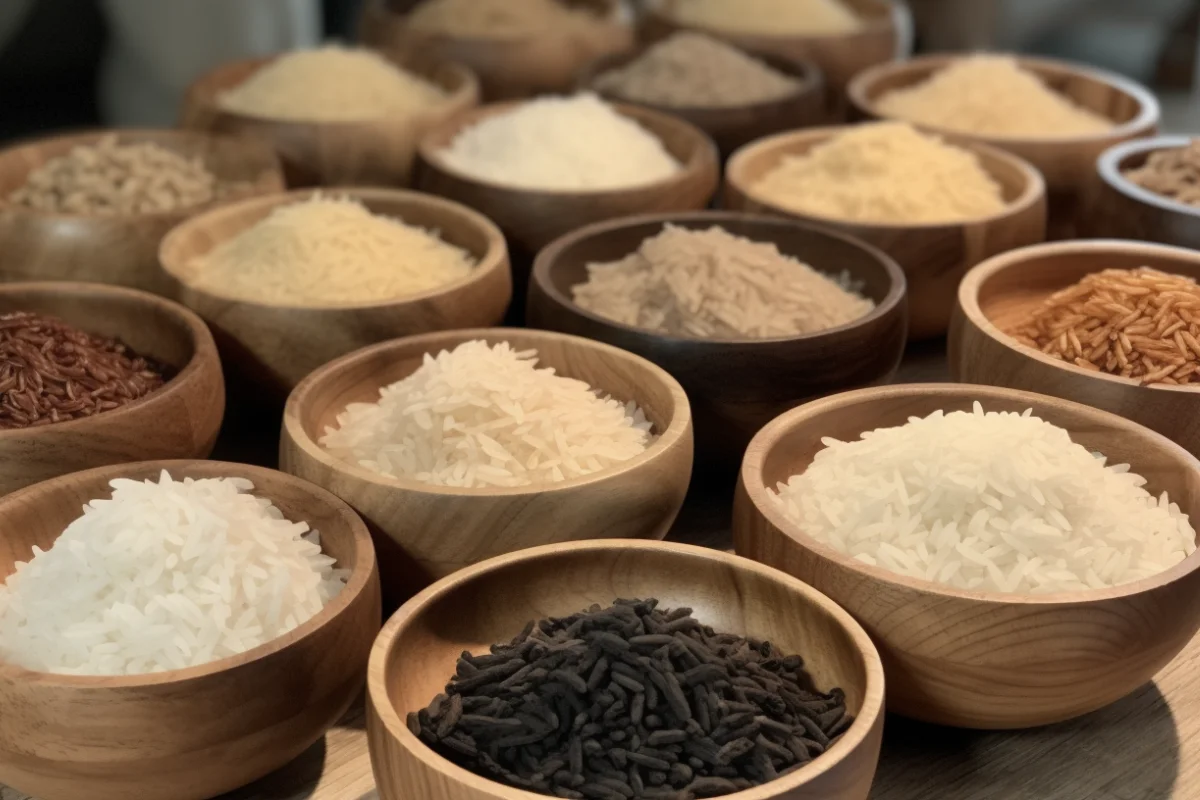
(1145, 747)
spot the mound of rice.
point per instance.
(999, 502)
(164, 576)
(482, 416)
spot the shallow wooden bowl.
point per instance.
(415, 654)
(192, 733)
(982, 659)
(1001, 291)
(378, 152)
(934, 256)
(511, 67)
(733, 126)
(840, 57)
(1122, 209)
(179, 420)
(275, 346)
(735, 386)
(425, 532)
(1068, 163)
(41, 245)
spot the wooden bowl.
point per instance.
(511, 67)
(123, 250)
(982, 659)
(1122, 209)
(1068, 163)
(840, 57)
(376, 152)
(1001, 291)
(934, 256)
(275, 346)
(415, 654)
(179, 420)
(735, 386)
(733, 126)
(424, 532)
(191, 733)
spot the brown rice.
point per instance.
(1173, 173)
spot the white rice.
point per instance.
(998, 502)
(482, 416)
(164, 576)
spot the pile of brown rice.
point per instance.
(1173, 173)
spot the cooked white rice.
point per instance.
(165, 575)
(482, 416)
(999, 502)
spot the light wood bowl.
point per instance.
(192, 733)
(840, 57)
(735, 386)
(424, 532)
(508, 68)
(179, 420)
(1001, 291)
(1068, 163)
(1122, 209)
(274, 346)
(122, 250)
(982, 659)
(377, 152)
(415, 654)
(733, 126)
(934, 256)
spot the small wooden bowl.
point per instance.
(179, 420)
(275, 346)
(735, 386)
(982, 659)
(192, 733)
(1001, 291)
(840, 57)
(376, 152)
(1122, 209)
(934, 256)
(508, 68)
(415, 654)
(1068, 163)
(122, 250)
(426, 532)
(532, 218)
(733, 126)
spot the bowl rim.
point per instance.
(1108, 165)
(293, 427)
(705, 154)
(972, 282)
(1033, 192)
(204, 350)
(494, 258)
(548, 259)
(379, 700)
(356, 583)
(751, 479)
(88, 136)
(1149, 110)
(871, 26)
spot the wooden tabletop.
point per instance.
(1145, 747)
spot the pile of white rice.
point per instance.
(999, 502)
(482, 416)
(164, 575)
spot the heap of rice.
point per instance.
(331, 84)
(328, 251)
(712, 284)
(769, 17)
(999, 502)
(991, 94)
(499, 19)
(883, 172)
(482, 416)
(164, 576)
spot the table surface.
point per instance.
(1145, 747)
